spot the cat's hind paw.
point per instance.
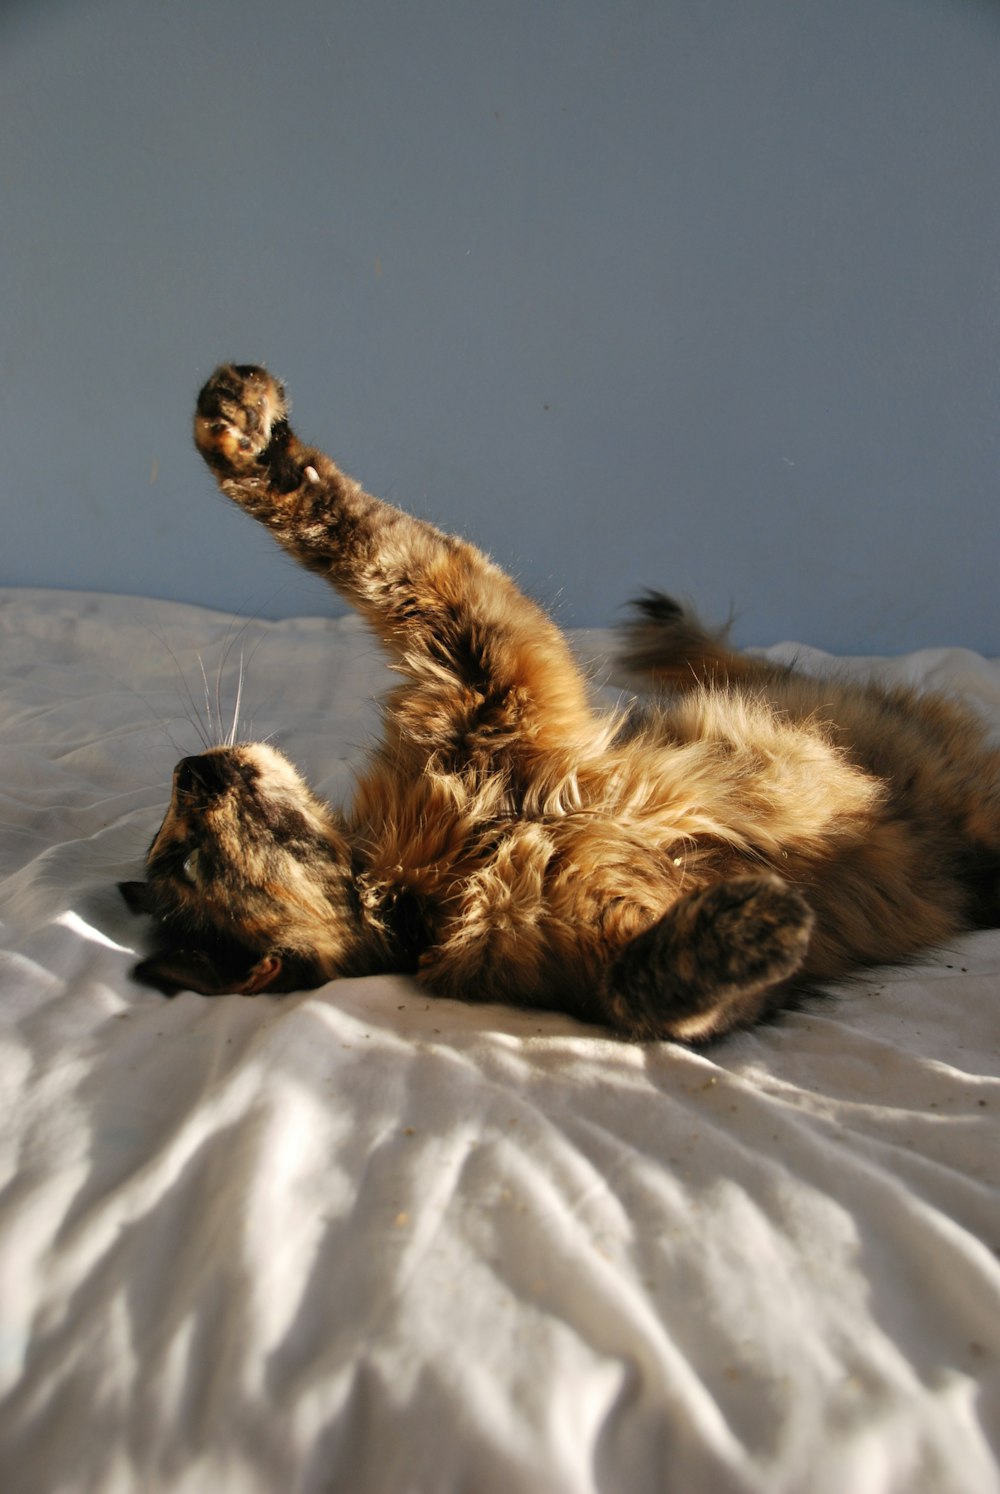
(718, 959)
(235, 416)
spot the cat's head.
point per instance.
(249, 877)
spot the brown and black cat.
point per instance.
(671, 872)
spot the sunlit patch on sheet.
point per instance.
(70, 920)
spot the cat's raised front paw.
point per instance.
(235, 416)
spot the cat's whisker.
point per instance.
(230, 738)
(239, 697)
(191, 714)
(212, 729)
(162, 721)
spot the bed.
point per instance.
(365, 1239)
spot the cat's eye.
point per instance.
(190, 867)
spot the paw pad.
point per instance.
(236, 412)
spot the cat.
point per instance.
(669, 871)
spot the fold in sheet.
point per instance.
(361, 1238)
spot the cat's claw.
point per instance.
(235, 416)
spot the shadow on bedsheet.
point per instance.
(174, 1288)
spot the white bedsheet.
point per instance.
(362, 1239)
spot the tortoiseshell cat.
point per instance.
(671, 873)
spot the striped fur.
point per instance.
(672, 873)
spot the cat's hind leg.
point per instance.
(719, 959)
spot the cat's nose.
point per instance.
(204, 774)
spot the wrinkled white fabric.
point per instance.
(364, 1239)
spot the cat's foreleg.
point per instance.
(450, 617)
(719, 959)
(316, 512)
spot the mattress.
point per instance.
(361, 1238)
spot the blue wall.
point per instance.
(631, 292)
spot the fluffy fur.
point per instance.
(672, 872)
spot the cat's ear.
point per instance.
(262, 976)
(137, 895)
(195, 970)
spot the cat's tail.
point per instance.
(666, 644)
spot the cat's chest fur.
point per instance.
(481, 876)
